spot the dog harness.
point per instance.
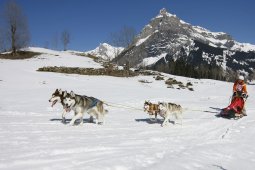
(94, 101)
(153, 108)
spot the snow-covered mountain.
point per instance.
(106, 51)
(167, 38)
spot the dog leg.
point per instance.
(151, 118)
(91, 119)
(97, 118)
(179, 117)
(81, 121)
(103, 120)
(63, 116)
(100, 119)
(96, 121)
(166, 120)
(156, 120)
(77, 116)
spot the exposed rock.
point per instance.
(168, 39)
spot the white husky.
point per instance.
(81, 104)
(58, 97)
(168, 109)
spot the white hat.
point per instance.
(240, 78)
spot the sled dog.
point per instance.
(168, 109)
(151, 109)
(81, 104)
(58, 97)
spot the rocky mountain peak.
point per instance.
(167, 38)
(163, 11)
(105, 51)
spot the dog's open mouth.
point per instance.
(53, 103)
(68, 109)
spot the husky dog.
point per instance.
(168, 109)
(151, 109)
(58, 97)
(81, 104)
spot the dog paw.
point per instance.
(101, 123)
(64, 121)
(71, 124)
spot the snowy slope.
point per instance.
(106, 51)
(58, 58)
(33, 137)
(152, 60)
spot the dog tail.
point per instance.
(102, 109)
(106, 111)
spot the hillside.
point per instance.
(33, 137)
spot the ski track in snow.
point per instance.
(33, 137)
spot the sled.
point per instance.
(234, 110)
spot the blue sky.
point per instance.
(91, 22)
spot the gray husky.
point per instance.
(168, 109)
(81, 104)
(58, 97)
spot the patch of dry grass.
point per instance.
(89, 71)
(19, 55)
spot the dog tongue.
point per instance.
(53, 103)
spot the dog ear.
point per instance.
(65, 93)
(60, 91)
(72, 94)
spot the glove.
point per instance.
(244, 95)
(234, 94)
(239, 93)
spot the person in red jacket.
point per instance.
(240, 90)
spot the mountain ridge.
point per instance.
(168, 35)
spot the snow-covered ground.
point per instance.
(33, 137)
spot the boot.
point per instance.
(243, 112)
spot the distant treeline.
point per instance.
(180, 67)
